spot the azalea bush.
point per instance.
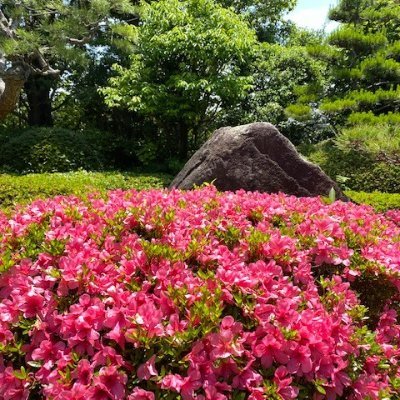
(199, 295)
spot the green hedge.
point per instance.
(52, 150)
(380, 201)
(363, 172)
(16, 189)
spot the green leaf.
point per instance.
(320, 389)
(34, 364)
(332, 195)
(20, 374)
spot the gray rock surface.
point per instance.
(254, 157)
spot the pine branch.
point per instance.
(92, 30)
(378, 84)
(5, 26)
(80, 42)
(44, 67)
(46, 11)
(387, 106)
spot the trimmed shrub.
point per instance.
(379, 201)
(48, 150)
(363, 171)
(199, 295)
(380, 176)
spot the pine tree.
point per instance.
(367, 75)
(364, 55)
(40, 40)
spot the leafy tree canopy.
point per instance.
(190, 61)
(264, 15)
(277, 72)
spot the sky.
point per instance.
(313, 14)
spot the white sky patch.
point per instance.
(313, 18)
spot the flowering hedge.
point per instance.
(166, 295)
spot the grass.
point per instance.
(21, 189)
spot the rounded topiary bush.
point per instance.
(363, 171)
(48, 150)
(199, 295)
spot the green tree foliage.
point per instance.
(361, 96)
(264, 15)
(40, 35)
(364, 54)
(278, 72)
(44, 39)
(190, 61)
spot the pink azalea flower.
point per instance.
(186, 386)
(31, 304)
(11, 387)
(173, 382)
(213, 394)
(257, 394)
(300, 360)
(141, 394)
(226, 343)
(110, 382)
(283, 381)
(247, 379)
(107, 355)
(148, 369)
(84, 372)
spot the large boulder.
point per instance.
(254, 157)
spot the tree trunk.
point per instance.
(37, 89)
(10, 89)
